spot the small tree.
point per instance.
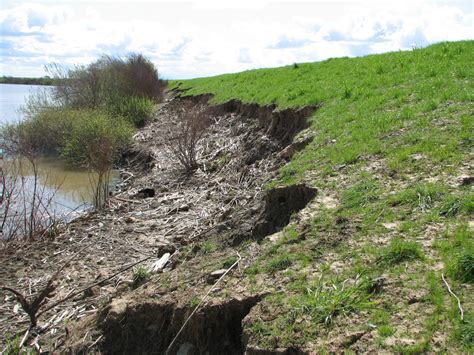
(184, 135)
(94, 141)
(98, 84)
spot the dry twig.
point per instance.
(456, 297)
(71, 295)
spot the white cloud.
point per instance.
(199, 38)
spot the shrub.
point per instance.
(184, 135)
(137, 110)
(94, 141)
(142, 78)
(127, 87)
(42, 133)
(94, 138)
(399, 251)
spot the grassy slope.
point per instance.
(393, 134)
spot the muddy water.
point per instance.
(71, 187)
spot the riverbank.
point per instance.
(161, 210)
(342, 226)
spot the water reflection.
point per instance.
(72, 187)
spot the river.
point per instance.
(71, 187)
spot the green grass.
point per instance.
(360, 194)
(207, 247)
(385, 330)
(327, 300)
(411, 108)
(398, 251)
(229, 261)
(194, 301)
(457, 249)
(465, 331)
(12, 346)
(278, 263)
(463, 268)
(421, 196)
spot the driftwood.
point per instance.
(160, 264)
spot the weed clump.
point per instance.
(463, 267)
(360, 194)
(465, 331)
(228, 262)
(327, 300)
(207, 247)
(139, 276)
(279, 263)
(458, 254)
(398, 251)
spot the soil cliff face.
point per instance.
(199, 219)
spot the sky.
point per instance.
(188, 39)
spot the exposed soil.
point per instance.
(197, 218)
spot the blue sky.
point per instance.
(187, 39)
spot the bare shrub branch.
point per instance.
(183, 136)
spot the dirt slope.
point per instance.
(198, 218)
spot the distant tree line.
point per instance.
(45, 80)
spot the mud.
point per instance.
(280, 204)
(150, 327)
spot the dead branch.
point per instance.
(32, 308)
(454, 295)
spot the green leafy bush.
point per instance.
(137, 110)
(94, 139)
(127, 87)
(42, 133)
